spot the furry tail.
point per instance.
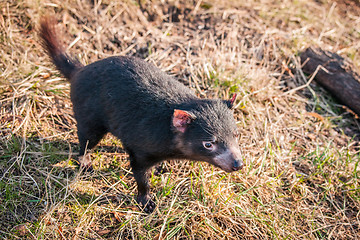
(64, 63)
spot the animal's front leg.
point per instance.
(144, 199)
(140, 167)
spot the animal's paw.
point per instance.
(145, 203)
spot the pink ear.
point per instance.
(230, 103)
(181, 119)
(232, 100)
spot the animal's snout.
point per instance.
(237, 165)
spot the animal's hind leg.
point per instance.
(89, 137)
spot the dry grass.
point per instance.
(302, 153)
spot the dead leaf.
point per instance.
(22, 229)
(351, 111)
(103, 232)
(316, 115)
(45, 75)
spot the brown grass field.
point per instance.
(300, 146)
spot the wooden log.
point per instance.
(337, 75)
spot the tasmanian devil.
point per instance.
(155, 116)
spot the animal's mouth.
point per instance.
(230, 168)
(227, 162)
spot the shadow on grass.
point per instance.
(344, 120)
(36, 176)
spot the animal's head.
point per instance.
(206, 131)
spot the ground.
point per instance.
(300, 145)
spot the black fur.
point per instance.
(136, 102)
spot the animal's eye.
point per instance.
(208, 145)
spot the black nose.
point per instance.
(237, 165)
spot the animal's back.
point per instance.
(130, 97)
